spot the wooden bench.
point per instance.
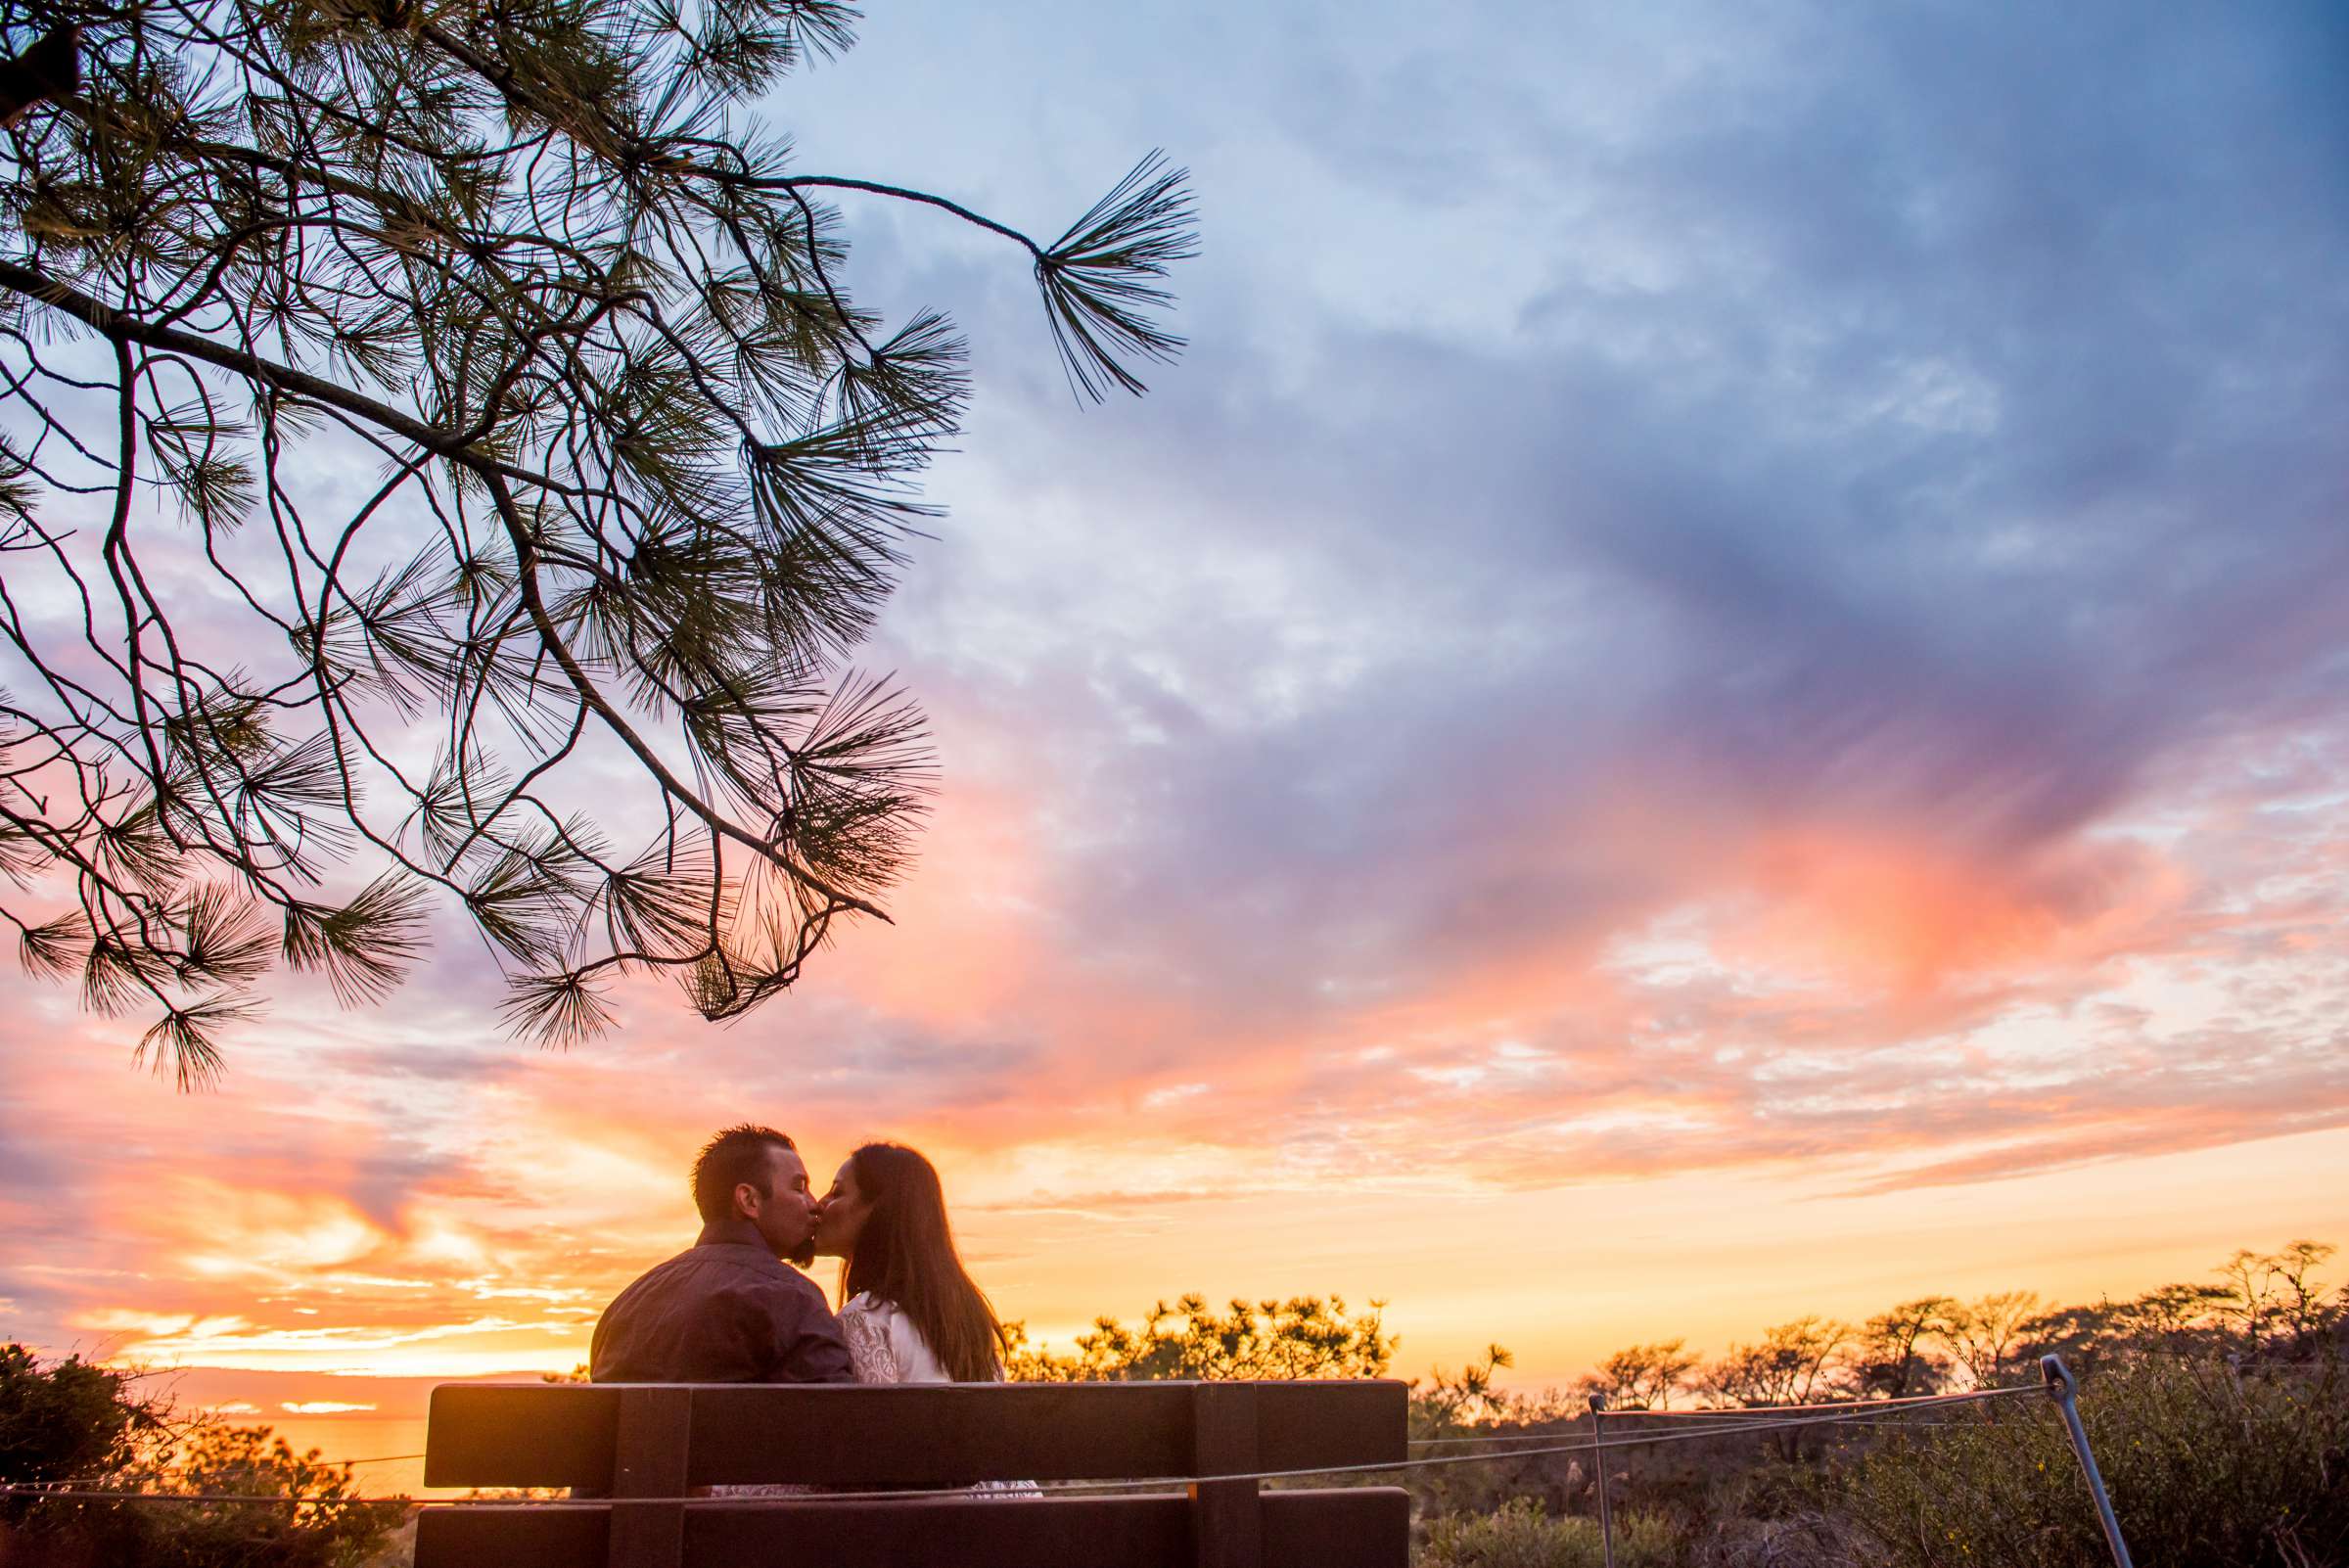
(644, 1446)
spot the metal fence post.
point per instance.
(1598, 1459)
(2064, 1389)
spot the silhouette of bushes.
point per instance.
(1522, 1534)
(2205, 1464)
(87, 1429)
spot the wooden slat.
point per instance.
(1227, 1525)
(516, 1537)
(649, 1461)
(942, 1435)
(496, 1435)
(1303, 1424)
(561, 1435)
(949, 1533)
(1361, 1527)
(1358, 1527)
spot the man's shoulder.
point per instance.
(724, 1267)
(784, 1290)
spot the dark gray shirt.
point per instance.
(724, 1311)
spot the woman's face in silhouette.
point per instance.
(840, 1218)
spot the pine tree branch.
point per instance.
(606, 347)
(796, 182)
(50, 68)
(125, 328)
(617, 724)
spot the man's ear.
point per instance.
(746, 1201)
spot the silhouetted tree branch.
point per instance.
(440, 459)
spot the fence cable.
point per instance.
(1613, 1414)
(1730, 1418)
(1857, 1412)
(233, 1466)
(1502, 1446)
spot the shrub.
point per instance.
(1521, 1534)
(2204, 1467)
(67, 1419)
(70, 1422)
(1803, 1541)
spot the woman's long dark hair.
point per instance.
(906, 1256)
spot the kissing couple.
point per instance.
(730, 1309)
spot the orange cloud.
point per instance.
(1909, 914)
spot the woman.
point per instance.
(909, 1310)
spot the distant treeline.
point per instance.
(2218, 1407)
(2255, 1305)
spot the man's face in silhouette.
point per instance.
(784, 1213)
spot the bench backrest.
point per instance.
(644, 1446)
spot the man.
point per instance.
(729, 1310)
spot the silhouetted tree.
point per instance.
(1894, 1359)
(1800, 1362)
(2177, 1320)
(439, 439)
(1305, 1336)
(2277, 1303)
(1457, 1400)
(1981, 1333)
(1641, 1377)
(2266, 1305)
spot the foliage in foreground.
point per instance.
(2204, 1465)
(67, 1419)
(71, 1422)
(1521, 1534)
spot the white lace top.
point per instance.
(884, 1346)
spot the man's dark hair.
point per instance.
(733, 1157)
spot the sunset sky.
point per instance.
(1720, 689)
